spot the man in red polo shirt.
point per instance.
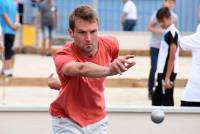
(82, 67)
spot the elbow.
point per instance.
(81, 70)
(148, 28)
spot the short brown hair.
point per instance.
(162, 13)
(84, 12)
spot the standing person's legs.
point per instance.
(129, 25)
(151, 81)
(50, 40)
(8, 54)
(168, 97)
(44, 34)
(157, 95)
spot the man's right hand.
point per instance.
(16, 26)
(121, 64)
(53, 82)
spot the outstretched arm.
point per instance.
(88, 69)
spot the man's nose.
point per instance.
(88, 37)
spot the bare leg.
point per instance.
(43, 46)
(49, 47)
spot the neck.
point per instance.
(169, 24)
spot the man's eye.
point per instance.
(93, 31)
(81, 32)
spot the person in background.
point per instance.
(34, 10)
(47, 22)
(168, 60)
(129, 15)
(155, 41)
(191, 94)
(10, 24)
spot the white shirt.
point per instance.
(192, 89)
(198, 28)
(130, 8)
(171, 35)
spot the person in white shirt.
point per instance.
(155, 41)
(191, 94)
(129, 15)
(168, 57)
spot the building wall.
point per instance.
(109, 12)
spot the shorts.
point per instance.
(67, 126)
(47, 32)
(8, 43)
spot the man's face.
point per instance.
(169, 3)
(85, 35)
(124, 1)
(165, 23)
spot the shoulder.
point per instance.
(172, 36)
(108, 40)
(110, 44)
(174, 31)
(65, 50)
(3, 3)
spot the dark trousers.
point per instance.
(8, 43)
(129, 25)
(154, 58)
(190, 104)
(163, 97)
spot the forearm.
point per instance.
(87, 69)
(170, 66)
(152, 28)
(155, 30)
(17, 18)
(7, 20)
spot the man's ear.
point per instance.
(71, 33)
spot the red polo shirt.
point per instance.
(82, 98)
